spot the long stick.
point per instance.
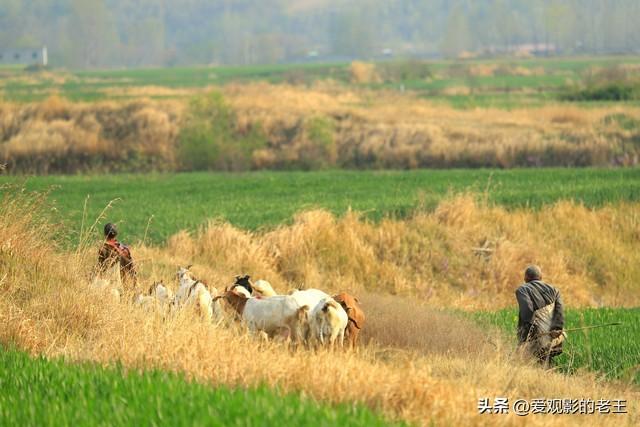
(584, 327)
(594, 326)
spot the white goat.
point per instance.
(192, 292)
(158, 296)
(271, 315)
(264, 288)
(241, 290)
(105, 287)
(318, 320)
(328, 322)
(310, 297)
(327, 319)
(163, 294)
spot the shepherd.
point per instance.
(113, 252)
(541, 317)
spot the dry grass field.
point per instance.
(420, 364)
(391, 130)
(323, 126)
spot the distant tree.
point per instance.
(208, 139)
(11, 21)
(352, 33)
(560, 24)
(95, 42)
(457, 37)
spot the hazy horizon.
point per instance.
(128, 33)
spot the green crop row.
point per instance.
(539, 79)
(159, 205)
(41, 392)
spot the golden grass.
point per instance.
(456, 90)
(421, 365)
(362, 72)
(151, 91)
(59, 136)
(370, 129)
(490, 70)
(386, 129)
(483, 70)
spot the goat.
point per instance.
(105, 287)
(310, 297)
(355, 314)
(163, 294)
(328, 322)
(270, 315)
(319, 321)
(194, 292)
(243, 285)
(239, 289)
(327, 319)
(260, 288)
(158, 295)
(264, 288)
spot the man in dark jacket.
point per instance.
(541, 318)
(113, 252)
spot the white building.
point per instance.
(35, 56)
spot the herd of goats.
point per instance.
(308, 316)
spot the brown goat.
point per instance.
(355, 314)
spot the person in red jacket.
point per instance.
(113, 252)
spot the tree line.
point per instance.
(131, 33)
